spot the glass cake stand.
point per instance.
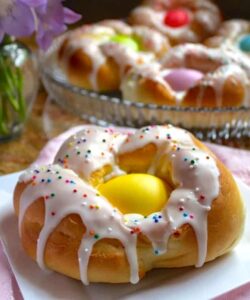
(213, 124)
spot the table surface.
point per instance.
(17, 154)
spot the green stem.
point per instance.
(20, 97)
(11, 93)
(8, 73)
(3, 114)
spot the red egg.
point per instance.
(176, 18)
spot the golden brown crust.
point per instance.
(225, 225)
(81, 68)
(148, 89)
(229, 32)
(198, 26)
(233, 95)
(201, 95)
(224, 83)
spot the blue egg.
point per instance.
(244, 43)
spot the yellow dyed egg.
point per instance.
(136, 193)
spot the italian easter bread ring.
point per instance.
(115, 205)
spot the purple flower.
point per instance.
(46, 17)
(52, 18)
(15, 19)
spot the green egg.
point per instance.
(127, 41)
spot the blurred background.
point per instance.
(95, 10)
(48, 120)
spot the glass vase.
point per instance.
(18, 88)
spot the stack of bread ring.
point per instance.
(116, 203)
(163, 55)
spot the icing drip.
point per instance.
(71, 195)
(203, 13)
(85, 43)
(90, 150)
(96, 42)
(150, 71)
(217, 81)
(205, 59)
(125, 56)
(194, 174)
(118, 26)
(150, 39)
(232, 29)
(230, 33)
(147, 16)
(217, 65)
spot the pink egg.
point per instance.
(183, 79)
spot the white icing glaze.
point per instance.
(230, 32)
(217, 81)
(118, 26)
(203, 13)
(89, 41)
(216, 64)
(89, 150)
(73, 196)
(150, 71)
(150, 39)
(205, 59)
(149, 17)
(194, 175)
(230, 35)
(96, 41)
(126, 57)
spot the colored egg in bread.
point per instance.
(136, 193)
(176, 18)
(126, 41)
(244, 43)
(182, 79)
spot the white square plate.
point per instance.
(209, 281)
